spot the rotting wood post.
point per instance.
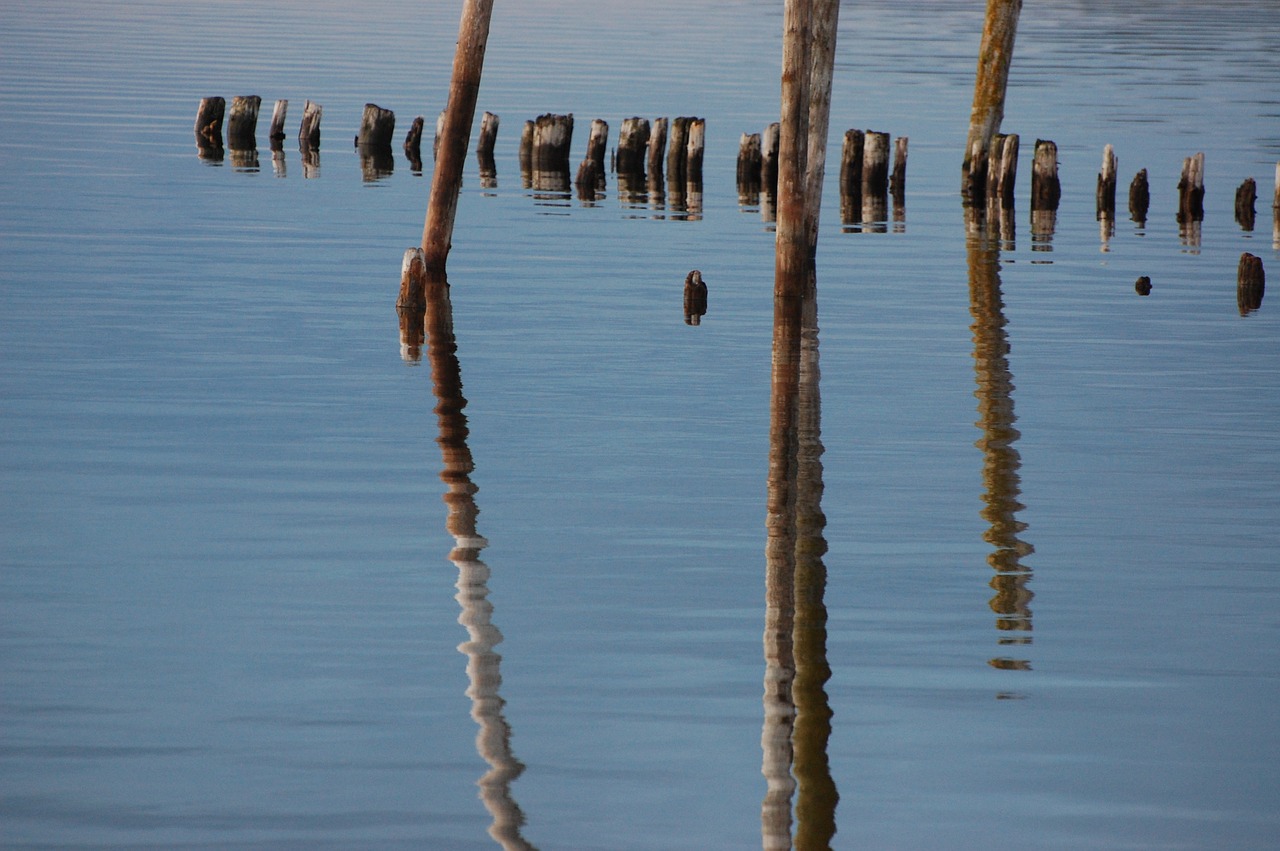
(526, 151)
(1046, 190)
(995, 54)
(677, 150)
(823, 20)
(413, 280)
(552, 136)
(875, 164)
(851, 154)
(1139, 197)
(1106, 194)
(769, 142)
(413, 142)
(242, 122)
(377, 126)
(209, 123)
(590, 177)
(657, 149)
(1191, 190)
(276, 134)
(898, 179)
(1251, 283)
(633, 142)
(749, 161)
(309, 130)
(1002, 171)
(488, 135)
(1246, 196)
(694, 150)
(464, 88)
(435, 141)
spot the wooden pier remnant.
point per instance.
(695, 147)
(1106, 194)
(769, 142)
(851, 155)
(749, 164)
(552, 136)
(413, 143)
(995, 53)
(242, 122)
(1046, 189)
(209, 117)
(591, 171)
(633, 144)
(677, 150)
(1191, 190)
(1139, 197)
(276, 133)
(1251, 283)
(657, 150)
(413, 280)
(309, 130)
(898, 178)
(484, 150)
(377, 126)
(1246, 197)
(464, 88)
(526, 154)
(1002, 171)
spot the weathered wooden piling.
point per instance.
(898, 179)
(995, 53)
(749, 160)
(209, 122)
(1251, 283)
(276, 133)
(1046, 190)
(435, 142)
(552, 136)
(526, 153)
(464, 87)
(413, 280)
(377, 126)
(1106, 193)
(769, 143)
(1142, 286)
(1002, 170)
(694, 149)
(591, 171)
(677, 149)
(695, 298)
(488, 135)
(851, 155)
(1191, 190)
(875, 164)
(309, 130)
(633, 143)
(242, 122)
(413, 142)
(1246, 196)
(657, 149)
(1139, 197)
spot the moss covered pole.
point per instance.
(994, 56)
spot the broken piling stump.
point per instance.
(1246, 196)
(488, 135)
(276, 133)
(1106, 195)
(209, 122)
(1002, 173)
(749, 161)
(552, 136)
(1139, 197)
(1191, 190)
(851, 153)
(242, 122)
(769, 142)
(377, 125)
(1046, 190)
(309, 131)
(413, 143)
(657, 150)
(1251, 283)
(677, 150)
(591, 175)
(633, 144)
(694, 149)
(898, 178)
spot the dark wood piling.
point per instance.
(657, 149)
(464, 88)
(1139, 197)
(749, 161)
(413, 280)
(1246, 196)
(309, 131)
(209, 122)
(851, 154)
(1191, 190)
(695, 147)
(1251, 282)
(769, 142)
(677, 150)
(898, 179)
(875, 177)
(242, 122)
(435, 142)
(552, 136)
(484, 150)
(526, 154)
(1106, 193)
(377, 126)
(1046, 190)
(1002, 171)
(995, 53)
(276, 133)
(413, 143)
(633, 143)
(590, 180)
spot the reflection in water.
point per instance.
(376, 162)
(1000, 459)
(493, 741)
(797, 714)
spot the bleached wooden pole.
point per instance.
(994, 56)
(464, 88)
(276, 133)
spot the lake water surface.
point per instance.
(256, 561)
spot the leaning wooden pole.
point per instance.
(994, 56)
(446, 181)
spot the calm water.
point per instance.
(238, 610)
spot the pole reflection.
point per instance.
(1001, 460)
(797, 713)
(493, 740)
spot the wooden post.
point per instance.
(1246, 195)
(209, 123)
(377, 125)
(633, 142)
(435, 142)
(309, 131)
(1191, 190)
(1045, 187)
(1251, 282)
(851, 155)
(994, 57)
(1139, 197)
(769, 142)
(590, 179)
(242, 122)
(1106, 194)
(413, 143)
(464, 88)
(413, 280)
(1006, 176)
(875, 164)
(694, 148)
(677, 150)
(277, 123)
(488, 135)
(749, 162)
(526, 154)
(657, 149)
(552, 136)
(898, 180)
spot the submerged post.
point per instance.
(446, 181)
(994, 57)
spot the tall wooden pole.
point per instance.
(994, 56)
(446, 181)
